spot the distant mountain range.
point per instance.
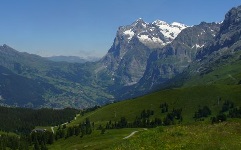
(72, 59)
(144, 57)
(33, 81)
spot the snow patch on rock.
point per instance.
(148, 38)
(170, 31)
(129, 33)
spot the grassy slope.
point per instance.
(186, 98)
(225, 135)
(93, 141)
(226, 74)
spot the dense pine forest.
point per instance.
(24, 120)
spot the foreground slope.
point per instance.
(225, 135)
(196, 136)
(93, 141)
(187, 135)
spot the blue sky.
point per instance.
(88, 27)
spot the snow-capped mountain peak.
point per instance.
(160, 22)
(154, 35)
(140, 20)
(132, 41)
(170, 31)
(139, 23)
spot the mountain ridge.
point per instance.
(132, 46)
(72, 59)
(142, 57)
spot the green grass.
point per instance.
(94, 141)
(186, 98)
(227, 73)
(196, 136)
(188, 135)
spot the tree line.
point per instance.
(84, 128)
(24, 120)
(228, 110)
(144, 120)
(39, 139)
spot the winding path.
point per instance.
(52, 128)
(134, 132)
(232, 77)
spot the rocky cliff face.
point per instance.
(230, 33)
(126, 61)
(224, 49)
(167, 62)
(203, 48)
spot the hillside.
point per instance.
(193, 136)
(189, 99)
(196, 136)
(33, 81)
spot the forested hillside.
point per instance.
(24, 120)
